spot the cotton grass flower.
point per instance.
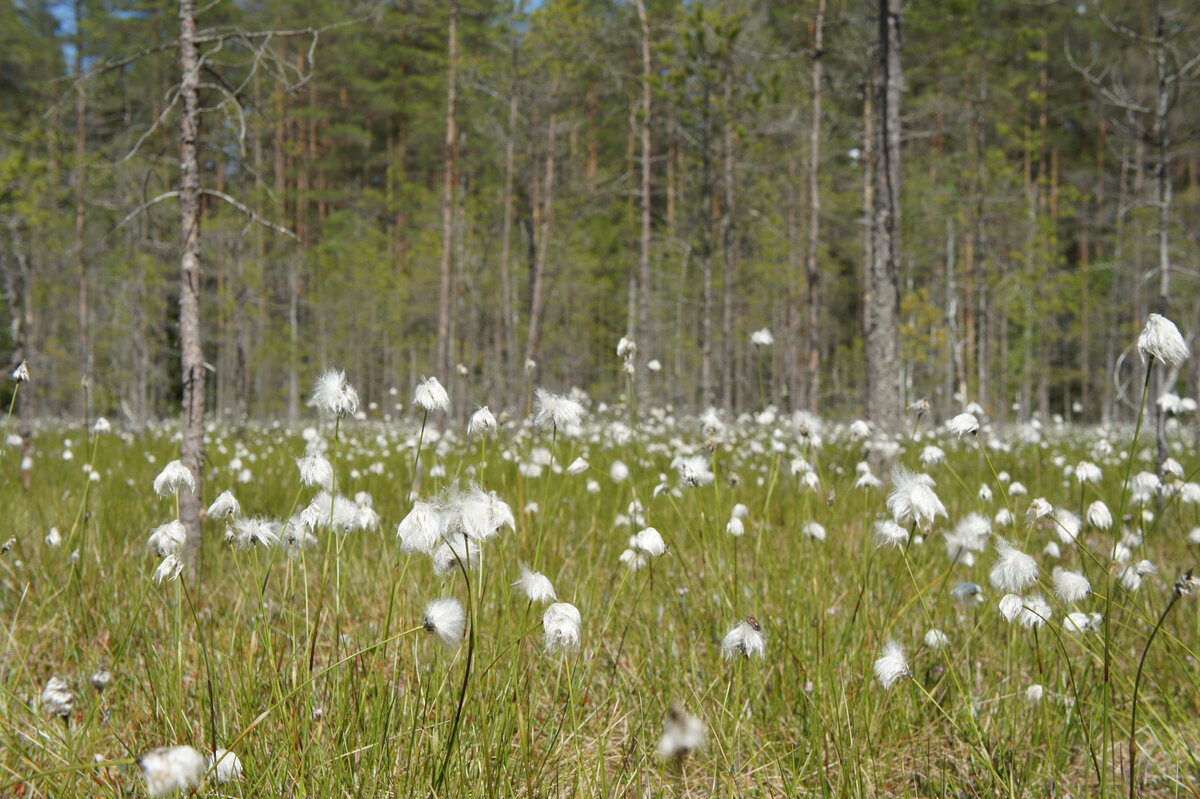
(694, 471)
(649, 542)
(578, 467)
(101, 426)
(1087, 472)
(256, 532)
(21, 373)
(683, 734)
(969, 536)
(813, 530)
(53, 538)
(1160, 339)
(482, 423)
(735, 527)
(1013, 570)
(936, 639)
(744, 639)
(1034, 694)
(563, 627)
(421, 530)
(169, 570)
(555, 410)
(446, 620)
(228, 766)
(1035, 612)
(1099, 516)
(890, 534)
(1010, 607)
(891, 666)
(167, 539)
(333, 396)
(57, 699)
(224, 506)
(171, 769)
(431, 396)
(535, 586)
(762, 338)
(1039, 509)
(173, 477)
(912, 499)
(315, 468)
(964, 424)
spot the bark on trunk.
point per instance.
(537, 298)
(191, 447)
(882, 351)
(442, 367)
(813, 277)
(508, 323)
(85, 353)
(642, 334)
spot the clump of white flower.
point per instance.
(744, 639)
(891, 665)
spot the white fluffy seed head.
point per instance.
(964, 424)
(482, 423)
(1070, 586)
(891, 665)
(1013, 570)
(650, 542)
(228, 766)
(535, 586)
(745, 639)
(431, 396)
(57, 699)
(683, 734)
(173, 768)
(563, 627)
(173, 477)
(446, 620)
(224, 505)
(1161, 339)
(333, 396)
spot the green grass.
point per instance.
(333, 709)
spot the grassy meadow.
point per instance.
(303, 647)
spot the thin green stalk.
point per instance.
(1137, 683)
(8, 418)
(462, 694)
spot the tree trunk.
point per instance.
(813, 277)
(882, 351)
(643, 323)
(509, 369)
(537, 298)
(85, 352)
(191, 447)
(728, 253)
(442, 366)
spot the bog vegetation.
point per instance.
(606, 600)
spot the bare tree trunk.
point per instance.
(191, 447)
(442, 367)
(707, 395)
(1162, 199)
(813, 277)
(728, 252)
(537, 298)
(508, 323)
(85, 353)
(643, 323)
(882, 351)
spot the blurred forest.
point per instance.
(454, 188)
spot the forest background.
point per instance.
(457, 188)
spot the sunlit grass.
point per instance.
(336, 709)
